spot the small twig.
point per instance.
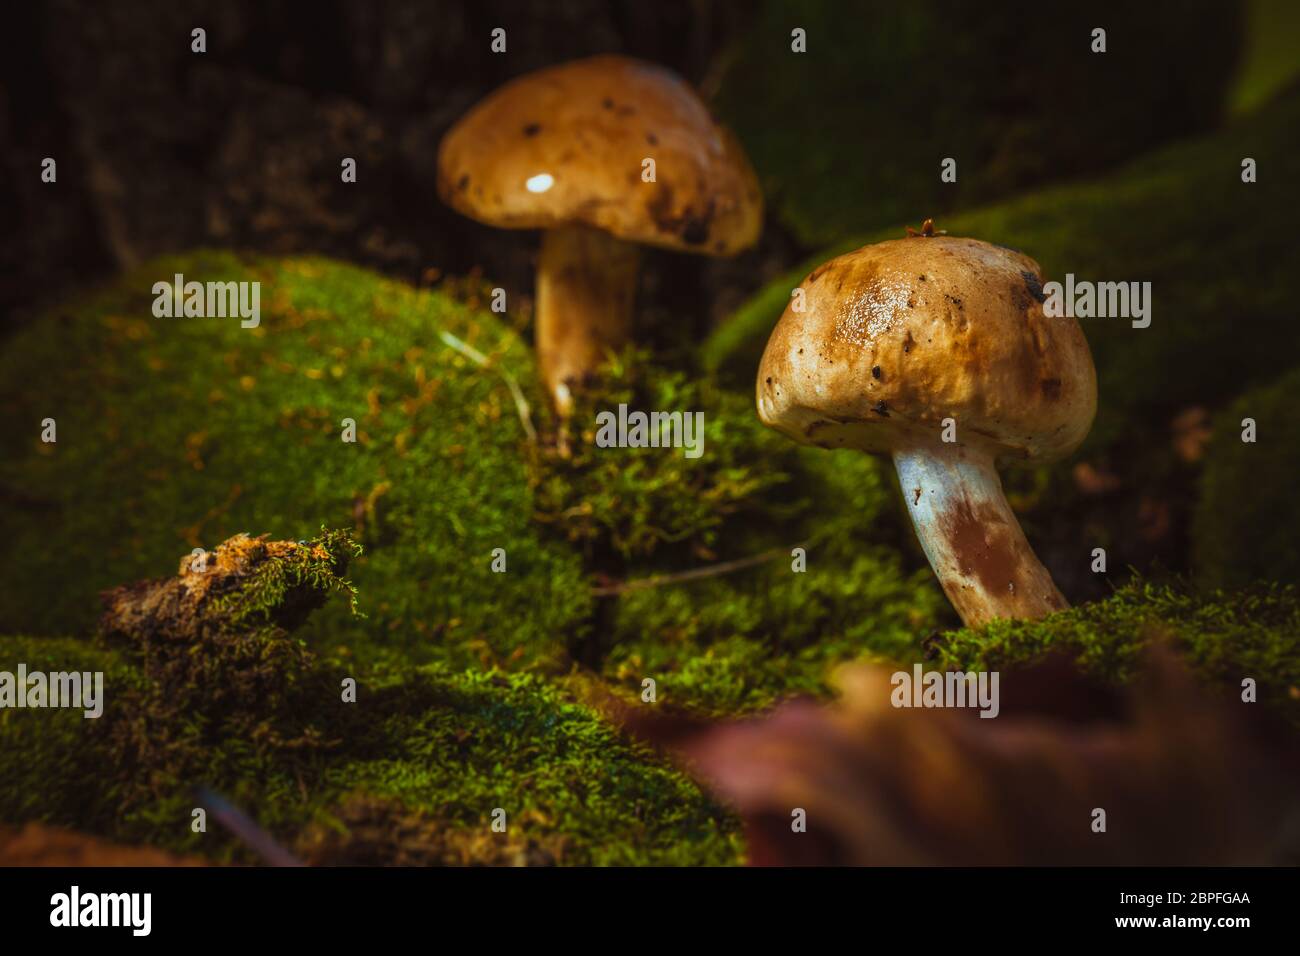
(242, 827)
(478, 358)
(695, 574)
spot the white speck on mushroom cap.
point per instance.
(539, 183)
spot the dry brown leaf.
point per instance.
(1183, 778)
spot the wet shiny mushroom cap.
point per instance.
(896, 337)
(566, 145)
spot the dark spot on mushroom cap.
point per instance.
(908, 342)
(875, 371)
(607, 103)
(693, 226)
(1051, 388)
(660, 205)
(1033, 285)
(463, 182)
(652, 139)
(695, 231)
(532, 129)
(881, 408)
(1022, 298)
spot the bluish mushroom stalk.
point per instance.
(970, 535)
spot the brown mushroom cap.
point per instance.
(896, 337)
(588, 125)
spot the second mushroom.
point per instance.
(935, 350)
(601, 154)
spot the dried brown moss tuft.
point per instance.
(215, 645)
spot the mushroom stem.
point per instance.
(586, 283)
(972, 539)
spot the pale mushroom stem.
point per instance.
(971, 537)
(586, 285)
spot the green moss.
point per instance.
(53, 762)
(316, 565)
(724, 646)
(1225, 636)
(624, 503)
(211, 689)
(726, 623)
(1269, 61)
(1247, 524)
(849, 136)
(452, 746)
(460, 745)
(740, 640)
(177, 433)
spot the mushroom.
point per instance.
(564, 150)
(935, 350)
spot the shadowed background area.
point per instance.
(161, 149)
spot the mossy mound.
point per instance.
(176, 433)
(1224, 636)
(1247, 525)
(215, 647)
(849, 136)
(430, 745)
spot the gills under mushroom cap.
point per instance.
(896, 337)
(565, 145)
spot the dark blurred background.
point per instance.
(161, 149)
